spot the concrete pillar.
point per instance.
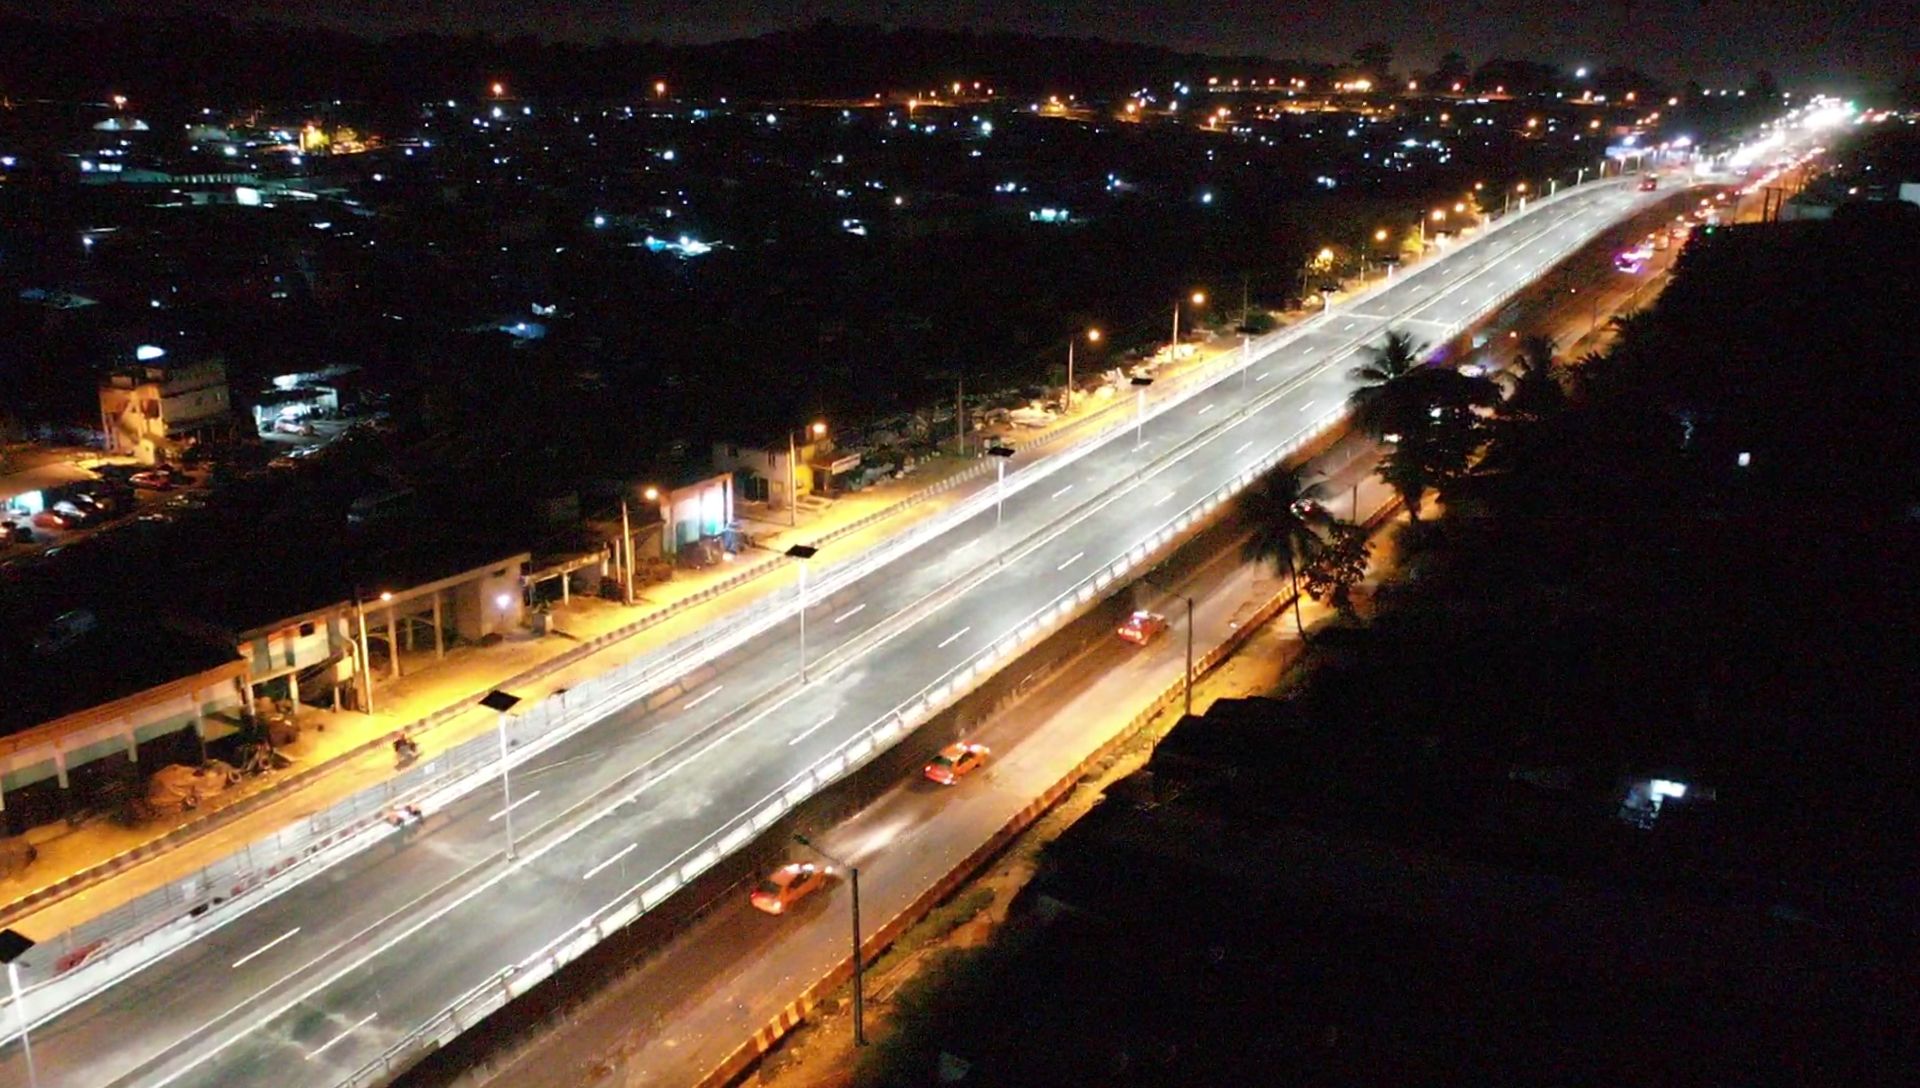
(393, 645)
(566, 587)
(60, 767)
(293, 693)
(439, 636)
(133, 745)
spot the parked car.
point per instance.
(76, 514)
(285, 425)
(1143, 627)
(54, 519)
(787, 885)
(152, 480)
(955, 762)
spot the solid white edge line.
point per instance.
(1070, 561)
(851, 612)
(206, 1056)
(949, 640)
(710, 693)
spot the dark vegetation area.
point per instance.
(1692, 558)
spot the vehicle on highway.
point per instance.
(152, 480)
(54, 519)
(1143, 627)
(787, 885)
(956, 761)
(1649, 183)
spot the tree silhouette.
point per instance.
(1379, 405)
(1279, 511)
(1339, 564)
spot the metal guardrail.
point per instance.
(846, 758)
(293, 852)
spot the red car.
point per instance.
(956, 761)
(152, 480)
(54, 519)
(788, 885)
(1143, 627)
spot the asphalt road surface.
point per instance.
(308, 987)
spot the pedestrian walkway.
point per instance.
(85, 871)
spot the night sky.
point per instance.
(1811, 43)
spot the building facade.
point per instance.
(160, 406)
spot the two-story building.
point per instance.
(164, 403)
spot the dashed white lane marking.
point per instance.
(263, 948)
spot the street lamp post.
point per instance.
(999, 454)
(1140, 413)
(803, 552)
(817, 431)
(13, 945)
(500, 702)
(859, 961)
(366, 662)
(1198, 298)
(1093, 337)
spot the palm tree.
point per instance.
(1536, 383)
(1378, 407)
(1404, 468)
(1281, 511)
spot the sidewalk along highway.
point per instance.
(740, 743)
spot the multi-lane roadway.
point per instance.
(308, 987)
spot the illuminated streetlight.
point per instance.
(1093, 337)
(119, 101)
(817, 430)
(1198, 298)
(1380, 235)
(660, 89)
(499, 90)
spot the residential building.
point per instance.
(163, 404)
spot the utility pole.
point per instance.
(626, 548)
(960, 415)
(859, 960)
